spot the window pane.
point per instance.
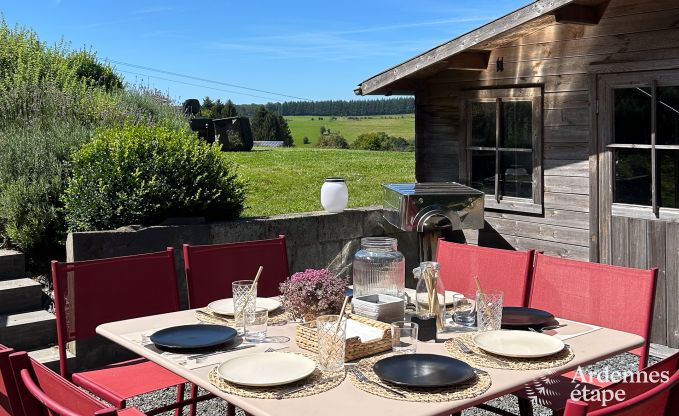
(668, 163)
(517, 124)
(632, 176)
(668, 115)
(483, 171)
(516, 178)
(632, 115)
(483, 124)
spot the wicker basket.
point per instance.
(305, 336)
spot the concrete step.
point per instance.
(50, 357)
(28, 330)
(12, 264)
(20, 295)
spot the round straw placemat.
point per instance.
(472, 388)
(487, 360)
(277, 317)
(316, 383)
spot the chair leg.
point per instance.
(180, 396)
(194, 394)
(525, 407)
(230, 409)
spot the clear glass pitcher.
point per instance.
(379, 268)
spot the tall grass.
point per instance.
(53, 100)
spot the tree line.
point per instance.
(376, 107)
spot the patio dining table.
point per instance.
(346, 399)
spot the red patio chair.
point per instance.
(610, 296)
(93, 292)
(648, 399)
(497, 269)
(43, 393)
(10, 404)
(210, 269)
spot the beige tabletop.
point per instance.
(349, 400)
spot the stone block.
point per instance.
(12, 264)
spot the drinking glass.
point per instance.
(243, 300)
(489, 310)
(404, 337)
(463, 313)
(255, 324)
(331, 342)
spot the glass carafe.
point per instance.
(379, 268)
(430, 294)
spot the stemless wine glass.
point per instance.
(255, 324)
(464, 313)
(489, 310)
(331, 342)
(404, 337)
(244, 299)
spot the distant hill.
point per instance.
(376, 107)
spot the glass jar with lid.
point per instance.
(379, 268)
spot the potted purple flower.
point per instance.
(312, 293)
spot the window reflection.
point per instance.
(667, 106)
(483, 124)
(517, 124)
(632, 176)
(516, 179)
(632, 116)
(483, 171)
(668, 161)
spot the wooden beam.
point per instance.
(469, 60)
(580, 13)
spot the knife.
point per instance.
(207, 354)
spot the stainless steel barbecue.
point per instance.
(430, 208)
(433, 206)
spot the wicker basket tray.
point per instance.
(305, 336)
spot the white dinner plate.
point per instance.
(266, 369)
(518, 344)
(225, 306)
(422, 297)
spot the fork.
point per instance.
(363, 379)
(466, 350)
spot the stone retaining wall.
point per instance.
(314, 239)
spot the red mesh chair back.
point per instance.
(93, 292)
(497, 269)
(642, 395)
(210, 269)
(10, 404)
(44, 392)
(611, 296)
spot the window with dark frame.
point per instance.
(503, 149)
(645, 146)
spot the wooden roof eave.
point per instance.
(478, 38)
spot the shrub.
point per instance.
(305, 140)
(332, 141)
(142, 175)
(382, 142)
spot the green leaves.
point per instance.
(143, 175)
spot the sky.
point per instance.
(296, 49)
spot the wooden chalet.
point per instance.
(566, 114)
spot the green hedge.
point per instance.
(142, 175)
(381, 141)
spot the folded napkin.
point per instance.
(196, 359)
(572, 329)
(365, 332)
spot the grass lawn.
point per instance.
(350, 128)
(289, 180)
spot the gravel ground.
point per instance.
(623, 362)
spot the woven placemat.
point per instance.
(487, 360)
(470, 389)
(277, 317)
(316, 383)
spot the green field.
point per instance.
(350, 128)
(289, 180)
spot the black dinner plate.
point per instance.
(192, 337)
(518, 317)
(423, 370)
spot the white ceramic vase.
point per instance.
(334, 195)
